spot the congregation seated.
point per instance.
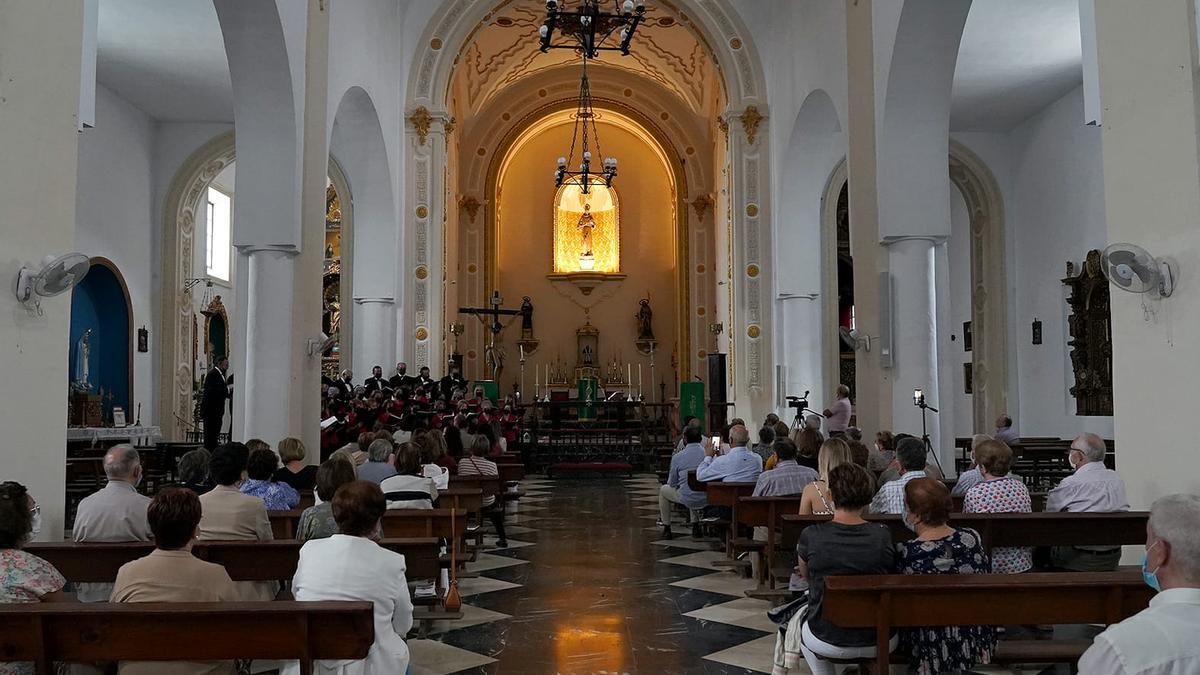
(116, 513)
(885, 452)
(689, 422)
(1093, 488)
(738, 465)
(787, 479)
(846, 545)
(427, 452)
(764, 448)
(999, 492)
(971, 477)
(434, 451)
(1162, 637)
(295, 471)
(941, 549)
(910, 463)
(816, 500)
(260, 467)
(227, 514)
(1005, 431)
(478, 465)
(859, 453)
(193, 471)
(893, 470)
(317, 522)
(172, 574)
(378, 466)
(409, 489)
(676, 489)
(808, 442)
(350, 565)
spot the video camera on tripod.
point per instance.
(800, 402)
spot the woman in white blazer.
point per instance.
(351, 566)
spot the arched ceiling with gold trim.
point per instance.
(503, 51)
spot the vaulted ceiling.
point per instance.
(504, 50)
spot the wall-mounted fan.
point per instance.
(1132, 268)
(57, 275)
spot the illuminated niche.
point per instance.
(587, 231)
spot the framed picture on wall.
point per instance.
(967, 341)
(143, 340)
(968, 378)
(119, 417)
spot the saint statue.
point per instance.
(586, 224)
(526, 318)
(644, 315)
(83, 352)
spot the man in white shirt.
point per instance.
(971, 477)
(1093, 488)
(837, 416)
(910, 454)
(739, 465)
(1161, 639)
(115, 513)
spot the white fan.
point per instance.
(1133, 269)
(57, 275)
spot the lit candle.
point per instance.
(629, 380)
(639, 380)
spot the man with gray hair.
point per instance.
(1093, 488)
(971, 477)
(738, 465)
(1161, 639)
(115, 513)
(378, 468)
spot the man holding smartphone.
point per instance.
(738, 465)
(676, 489)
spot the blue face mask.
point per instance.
(1151, 578)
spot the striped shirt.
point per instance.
(787, 479)
(890, 498)
(477, 466)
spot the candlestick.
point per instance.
(640, 395)
(629, 381)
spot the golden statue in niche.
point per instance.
(587, 231)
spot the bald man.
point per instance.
(115, 513)
(1093, 488)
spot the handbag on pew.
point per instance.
(782, 614)
(453, 601)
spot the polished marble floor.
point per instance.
(588, 586)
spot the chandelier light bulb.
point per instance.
(641, 4)
(624, 33)
(544, 30)
(587, 156)
(627, 7)
(585, 20)
(562, 162)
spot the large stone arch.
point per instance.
(744, 201)
(989, 277)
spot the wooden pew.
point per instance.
(47, 632)
(904, 601)
(511, 472)
(727, 494)
(243, 560)
(307, 499)
(1014, 529)
(397, 523)
(766, 512)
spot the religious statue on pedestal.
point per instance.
(587, 260)
(526, 318)
(644, 316)
(83, 353)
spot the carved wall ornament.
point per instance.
(1090, 338)
(471, 205)
(450, 125)
(723, 125)
(751, 118)
(702, 204)
(421, 120)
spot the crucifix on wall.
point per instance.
(493, 354)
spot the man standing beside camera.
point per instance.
(837, 416)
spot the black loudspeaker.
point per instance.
(717, 387)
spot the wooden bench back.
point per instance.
(898, 600)
(397, 523)
(49, 632)
(765, 511)
(491, 486)
(456, 497)
(1015, 529)
(726, 494)
(243, 560)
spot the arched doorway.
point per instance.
(101, 338)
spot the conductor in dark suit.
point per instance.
(212, 405)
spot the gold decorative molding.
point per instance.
(422, 333)
(752, 210)
(702, 204)
(471, 205)
(753, 331)
(421, 120)
(723, 125)
(422, 211)
(450, 125)
(752, 270)
(751, 118)
(422, 272)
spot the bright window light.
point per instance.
(220, 212)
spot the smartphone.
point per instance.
(716, 442)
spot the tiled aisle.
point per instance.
(587, 586)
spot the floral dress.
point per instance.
(943, 649)
(25, 578)
(277, 496)
(1003, 495)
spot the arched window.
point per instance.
(587, 230)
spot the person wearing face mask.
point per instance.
(350, 565)
(1093, 488)
(1161, 639)
(115, 513)
(941, 549)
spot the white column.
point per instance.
(800, 349)
(374, 335)
(911, 262)
(264, 393)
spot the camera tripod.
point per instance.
(801, 406)
(920, 403)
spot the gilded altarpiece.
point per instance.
(1090, 340)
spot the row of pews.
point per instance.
(899, 601)
(46, 633)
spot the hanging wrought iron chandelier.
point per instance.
(588, 28)
(584, 132)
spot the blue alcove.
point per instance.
(101, 303)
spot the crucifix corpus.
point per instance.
(490, 318)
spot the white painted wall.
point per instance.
(114, 218)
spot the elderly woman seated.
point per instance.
(351, 566)
(843, 546)
(941, 549)
(316, 522)
(1000, 492)
(260, 469)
